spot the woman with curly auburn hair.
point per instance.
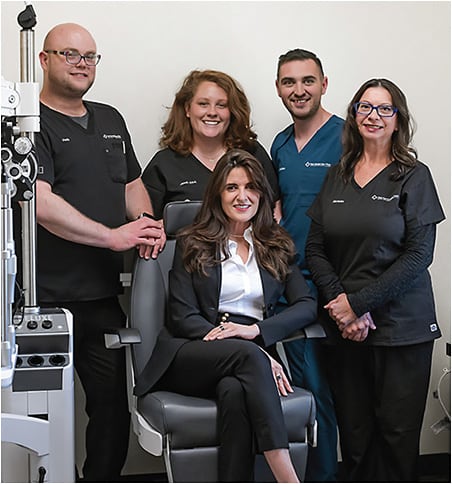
(209, 116)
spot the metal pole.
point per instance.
(27, 20)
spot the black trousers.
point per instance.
(102, 374)
(238, 375)
(380, 394)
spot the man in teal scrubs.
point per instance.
(302, 154)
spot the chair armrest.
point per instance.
(311, 434)
(298, 334)
(120, 337)
(314, 330)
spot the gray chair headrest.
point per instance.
(177, 215)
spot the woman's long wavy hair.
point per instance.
(177, 132)
(205, 242)
(403, 154)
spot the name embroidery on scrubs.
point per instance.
(112, 136)
(379, 198)
(318, 164)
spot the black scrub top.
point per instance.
(170, 177)
(364, 231)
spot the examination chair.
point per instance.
(182, 428)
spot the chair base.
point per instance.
(201, 464)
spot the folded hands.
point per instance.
(350, 325)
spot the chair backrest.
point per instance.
(149, 292)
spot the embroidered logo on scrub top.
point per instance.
(379, 198)
(188, 182)
(433, 327)
(319, 164)
(112, 136)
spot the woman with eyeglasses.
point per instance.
(370, 244)
(209, 116)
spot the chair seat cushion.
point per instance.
(191, 421)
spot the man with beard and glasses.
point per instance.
(89, 200)
(302, 154)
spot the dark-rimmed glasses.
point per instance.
(383, 110)
(75, 58)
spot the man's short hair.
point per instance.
(298, 54)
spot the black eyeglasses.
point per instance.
(75, 58)
(383, 110)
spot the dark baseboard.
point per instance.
(432, 467)
(161, 477)
(435, 467)
(149, 478)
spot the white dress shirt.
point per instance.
(241, 286)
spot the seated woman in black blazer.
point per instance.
(231, 266)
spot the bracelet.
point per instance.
(145, 214)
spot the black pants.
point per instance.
(238, 375)
(102, 374)
(379, 395)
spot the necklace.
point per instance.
(237, 235)
(208, 159)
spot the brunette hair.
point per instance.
(177, 132)
(404, 155)
(205, 242)
(298, 54)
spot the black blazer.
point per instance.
(193, 308)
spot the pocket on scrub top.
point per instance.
(116, 162)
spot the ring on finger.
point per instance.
(222, 327)
(278, 377)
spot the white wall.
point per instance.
(148, 47)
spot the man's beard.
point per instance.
(304, 116)
(77, 93)
(67, 90)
